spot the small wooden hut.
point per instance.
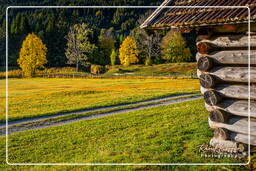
(223, 61)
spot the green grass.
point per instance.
(156, 70)
(158, 135)
(80, 115)
(42, 96)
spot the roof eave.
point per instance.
(154, 14)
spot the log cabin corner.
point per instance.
(223, 60)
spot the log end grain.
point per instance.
(242, 147)
(204, 63)
(212, 97)
(219, 116)
(221, 133)
(206, 47)
(207, 81)
(203, 47)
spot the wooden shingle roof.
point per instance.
(169, 16)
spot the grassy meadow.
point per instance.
(167, 69)
(166, 134)
(156, 70)
(43, 96)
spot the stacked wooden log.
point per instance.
(223, 72)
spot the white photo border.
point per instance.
(122, 164)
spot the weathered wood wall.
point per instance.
(224, 75)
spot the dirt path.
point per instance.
(41, 122)
(40, 118)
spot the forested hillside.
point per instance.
(52, 25)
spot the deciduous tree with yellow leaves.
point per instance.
(32, 55)
(128, 52)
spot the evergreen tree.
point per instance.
(113, 57)
(51, 25)
(2, 44)
(19, 29)
(106, 44)
(20, 25)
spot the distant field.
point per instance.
(15, 72)
(169, 69)
(39, 96)
(166, 134)
(155, 70)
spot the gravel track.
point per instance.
(39, 122)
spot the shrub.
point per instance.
(97, 69)
(57, 70)
(12, 74)
(108, 67)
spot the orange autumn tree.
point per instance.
(32, 55)
(128, 52)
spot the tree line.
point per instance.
(109, 28)
(82, 52)
(51, 25)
